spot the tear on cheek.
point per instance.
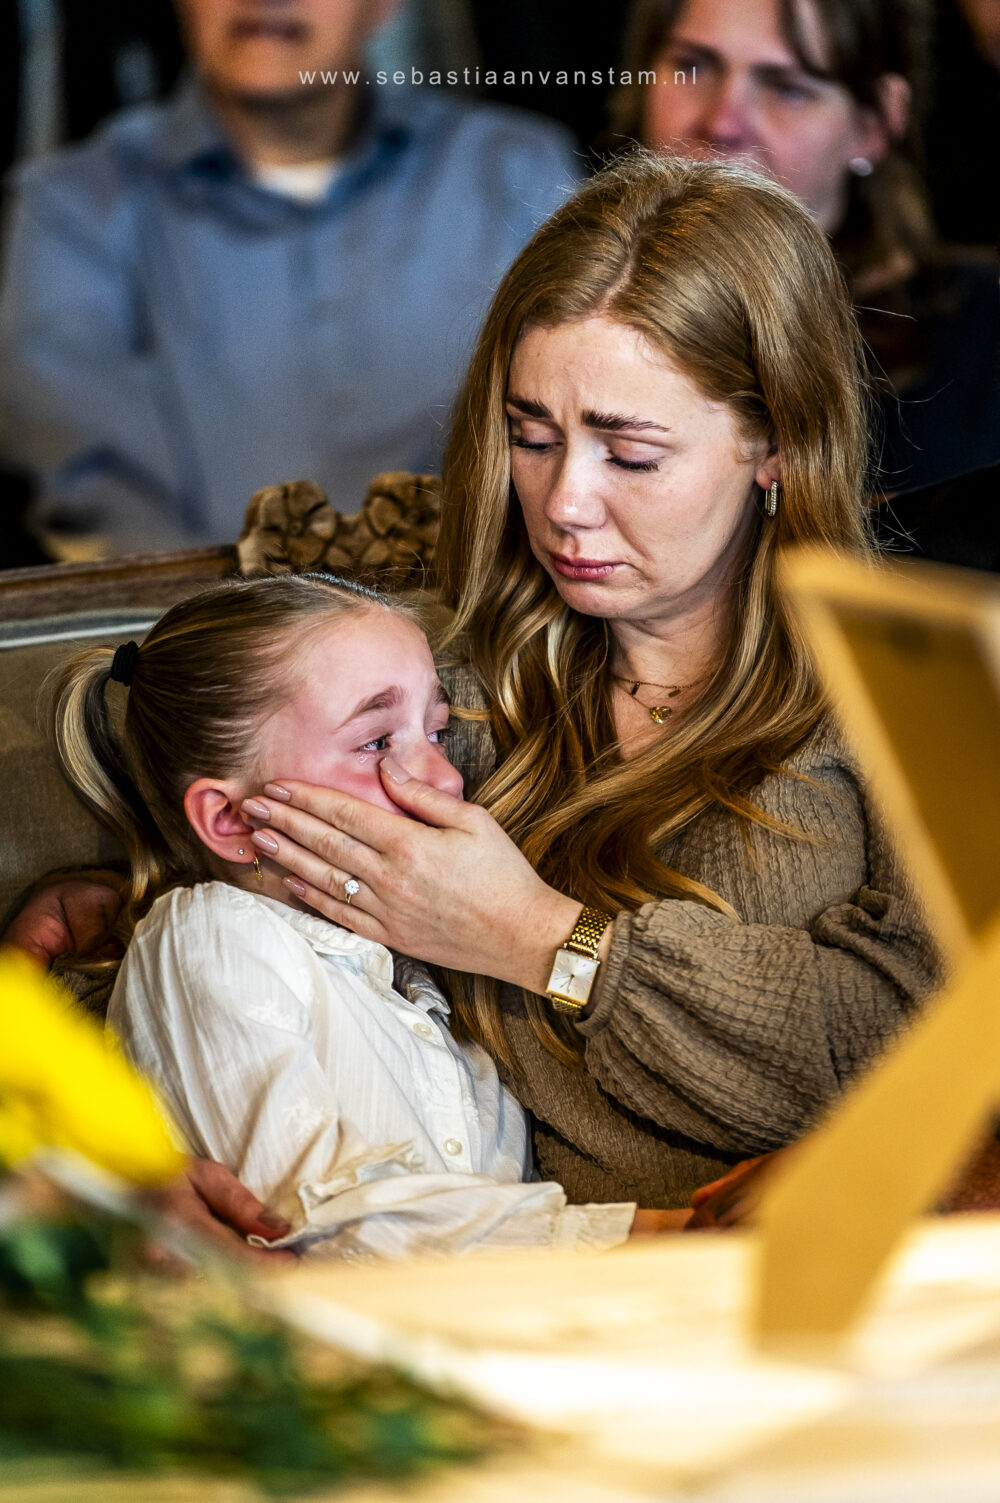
(364, 757)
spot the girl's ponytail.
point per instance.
(93, 760)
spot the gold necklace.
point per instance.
(657, 713)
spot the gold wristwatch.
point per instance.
(575, 968)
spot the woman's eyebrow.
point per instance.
(526, 405)
(607, 422)
(766, 71)
(385, 699)
(698, 49)
(616, 422)
(770, 73)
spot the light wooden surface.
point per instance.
(644, 1361)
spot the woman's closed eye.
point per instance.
(543, 446)
(793, 86)
(534, 436)
(643, 466)
(680, 60)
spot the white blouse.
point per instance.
(284, 1050)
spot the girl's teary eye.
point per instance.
(439, 736)
(379, 743)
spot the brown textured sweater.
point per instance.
(714, 1038)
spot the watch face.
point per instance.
(573, 975)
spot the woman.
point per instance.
(666, 389)
(827, 97)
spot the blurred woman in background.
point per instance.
(827, 97)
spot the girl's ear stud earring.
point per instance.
(256, 864)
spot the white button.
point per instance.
(452, 1146)
(424, 1029)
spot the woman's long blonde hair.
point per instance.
(727, 275)
(203, 681)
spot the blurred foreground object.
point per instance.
(893, 643)
(643, 1360)
(100, 1366)
(107, 1374)
(64, 1085)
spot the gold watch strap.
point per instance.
(588, 931)
(584, 940)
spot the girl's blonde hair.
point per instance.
(727, 275)
(204, 680)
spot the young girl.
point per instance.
(310, 1061)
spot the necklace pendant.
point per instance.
(659, 713)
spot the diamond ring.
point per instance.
(351, 886)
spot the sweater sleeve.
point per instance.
(739, 1031)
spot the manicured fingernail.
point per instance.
(275, 1222)
(264, 842)
(295, 885)
(275, 790)
(392, 769)
(255, 810)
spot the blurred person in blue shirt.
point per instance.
(278, 272)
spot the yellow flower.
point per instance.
(65, 1084)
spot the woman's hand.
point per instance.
(733, 1199)
(210, 1200)
(446, 886)
(658, 1223)
(71, 914)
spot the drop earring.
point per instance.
(771, 500)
